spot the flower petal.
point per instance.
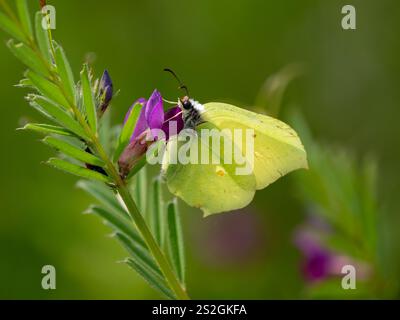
(154, 111)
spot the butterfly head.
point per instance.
(185, 103)
(191, 109)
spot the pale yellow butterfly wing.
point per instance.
(277, 147)
(213, 188)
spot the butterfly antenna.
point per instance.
(181, 85)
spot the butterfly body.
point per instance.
(192, 110)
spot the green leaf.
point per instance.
(24, 16)
(47, 129)
(59, 114)
(11, 28)
(104, 195)
(65, 72)
(73, 151)
(157, 216)
(141, 260)
(42, 111)
(24, 83)
(175, 240)
(140, 190)
(88, 98)
(118, 223)
(139, 253)
(107, 135)
(42, 37)
(77, 170)
(28, 57)
(47, 88)
(153, 279)
(127, 130)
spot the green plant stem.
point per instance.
(153, 246)
(134, 212)
(138, 219)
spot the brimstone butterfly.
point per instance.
(216, 187)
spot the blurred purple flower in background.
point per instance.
(317, 259)
(320, 263)
(236, 238)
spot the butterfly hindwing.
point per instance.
(212, 187)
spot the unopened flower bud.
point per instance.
(105, 92)
(133, 152)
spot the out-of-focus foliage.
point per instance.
(341, 189)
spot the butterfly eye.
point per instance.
(187, 105)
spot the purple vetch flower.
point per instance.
(152, 117)
(105, 92)
(319, 262)
(152, 125)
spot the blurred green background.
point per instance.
(224, 50)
